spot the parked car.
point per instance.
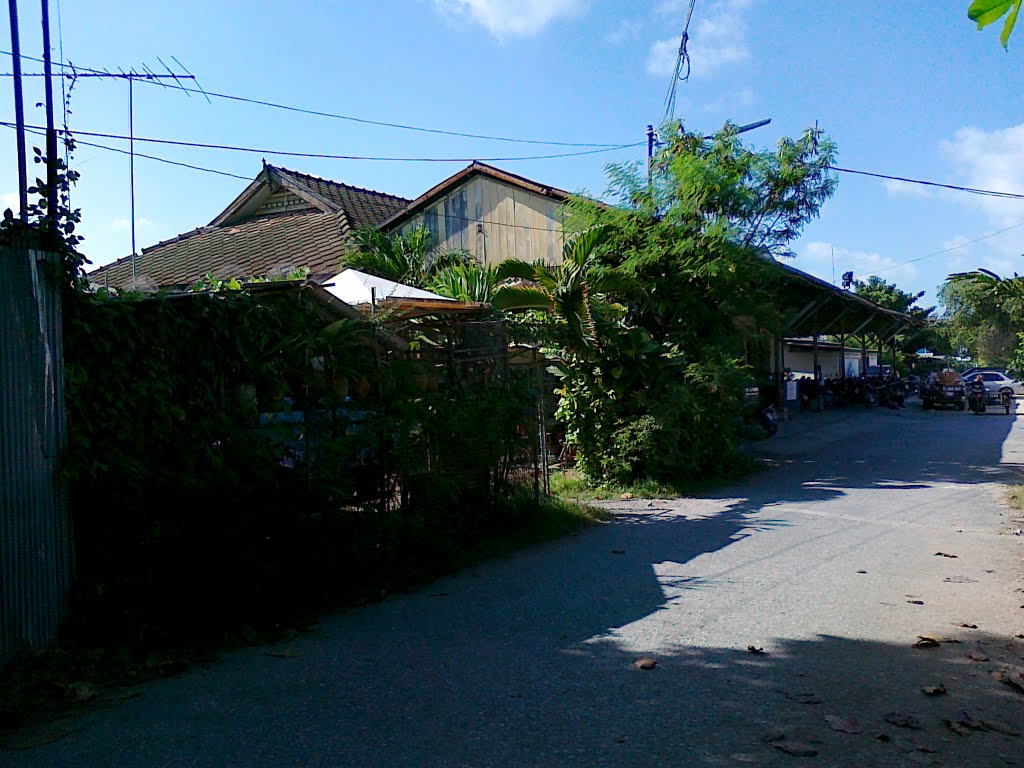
(997, 382)
(943, 388)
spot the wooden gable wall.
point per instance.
(494, 221)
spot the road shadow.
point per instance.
(519, 662)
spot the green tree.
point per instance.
(890, 296)
(408, 258)
(658, 391)
(985, 317)
(985, 12)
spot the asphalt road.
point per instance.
(529, 660)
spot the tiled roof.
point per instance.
(363, 207)
(258, 247)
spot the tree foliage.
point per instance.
(653, 385)
(410, 258)
(985, 317)
(985, 12)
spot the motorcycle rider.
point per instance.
(976, 388)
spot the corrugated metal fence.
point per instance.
(35, 532)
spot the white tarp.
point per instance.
(355, 288)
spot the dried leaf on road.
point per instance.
(963, 717)
(795, 748)
(862, 571)
(957, 728)
(803, 698)
(756, 651)
(965, 625)
(843, 725)
(903, 720)
(930, 641)
(645, 663)
(285, 654)
(945, 554)
(916, 602)
(626, 496)
(959, 580)
(999, 727)
(934, 690)
(1012, 678)
(977, 656)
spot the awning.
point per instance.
(356, 288)
(814, 307)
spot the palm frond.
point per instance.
(515, 269)
(518, 299)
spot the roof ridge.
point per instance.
(302, 175)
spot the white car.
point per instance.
(996, 382)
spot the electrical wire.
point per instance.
(348, 118)
(682, 61)
(327, 156)
(954, 187)
(951, 248)
(37, 132)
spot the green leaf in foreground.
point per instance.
(985, 12)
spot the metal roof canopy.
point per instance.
(813, 307)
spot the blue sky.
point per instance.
(909, 89)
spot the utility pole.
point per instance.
(650, 153)
(19, 112)
(51, 133)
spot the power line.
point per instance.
(682, 61)
(952, 248)
(954, 187)
(326, 156)
(351, 118)
(120, 151)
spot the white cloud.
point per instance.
(817, 258)
(9, 200)
(626, 31)
(718, 39)
(906, 189)
(511, 18)
(991, 160)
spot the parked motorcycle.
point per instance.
(769, 420)
(976, 402)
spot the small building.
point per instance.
(833, 359)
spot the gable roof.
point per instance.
(476, 168)
(283, 221)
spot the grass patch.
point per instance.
(572, 486)
(1015, 497)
